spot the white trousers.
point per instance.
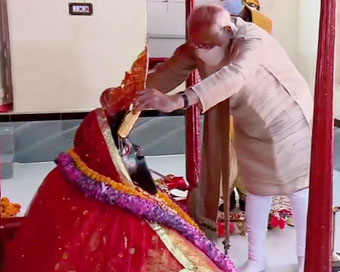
(257, 212)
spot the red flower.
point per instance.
(274, 222)
(282, 223)
(221, 228)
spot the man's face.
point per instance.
(206, 36)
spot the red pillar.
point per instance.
(0, 171)
(320, 223)
(193, 128)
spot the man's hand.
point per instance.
(152, 99)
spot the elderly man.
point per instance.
(271, 105)
(249, 11)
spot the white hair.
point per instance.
(209, 14)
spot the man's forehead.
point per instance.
(205, 33)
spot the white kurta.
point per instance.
(272, 137)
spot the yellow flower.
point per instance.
(8, 209)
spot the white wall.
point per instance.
(166, 26)
(296, 27)
(308, 37)
(62, 62)
(285, 19)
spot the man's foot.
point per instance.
(253, 266)
(301, 264)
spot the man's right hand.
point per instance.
(152, 99)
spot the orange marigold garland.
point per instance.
(8, 209)
(131, 190)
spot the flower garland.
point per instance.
(8, 209)
(129, 189)
(142, 204)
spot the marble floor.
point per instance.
(280, 243)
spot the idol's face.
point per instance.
(132, 157)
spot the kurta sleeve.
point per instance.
(174, 71)
(231, 78)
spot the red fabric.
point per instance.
(66, 231)
(92, 147)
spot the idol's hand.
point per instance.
(152, 99)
